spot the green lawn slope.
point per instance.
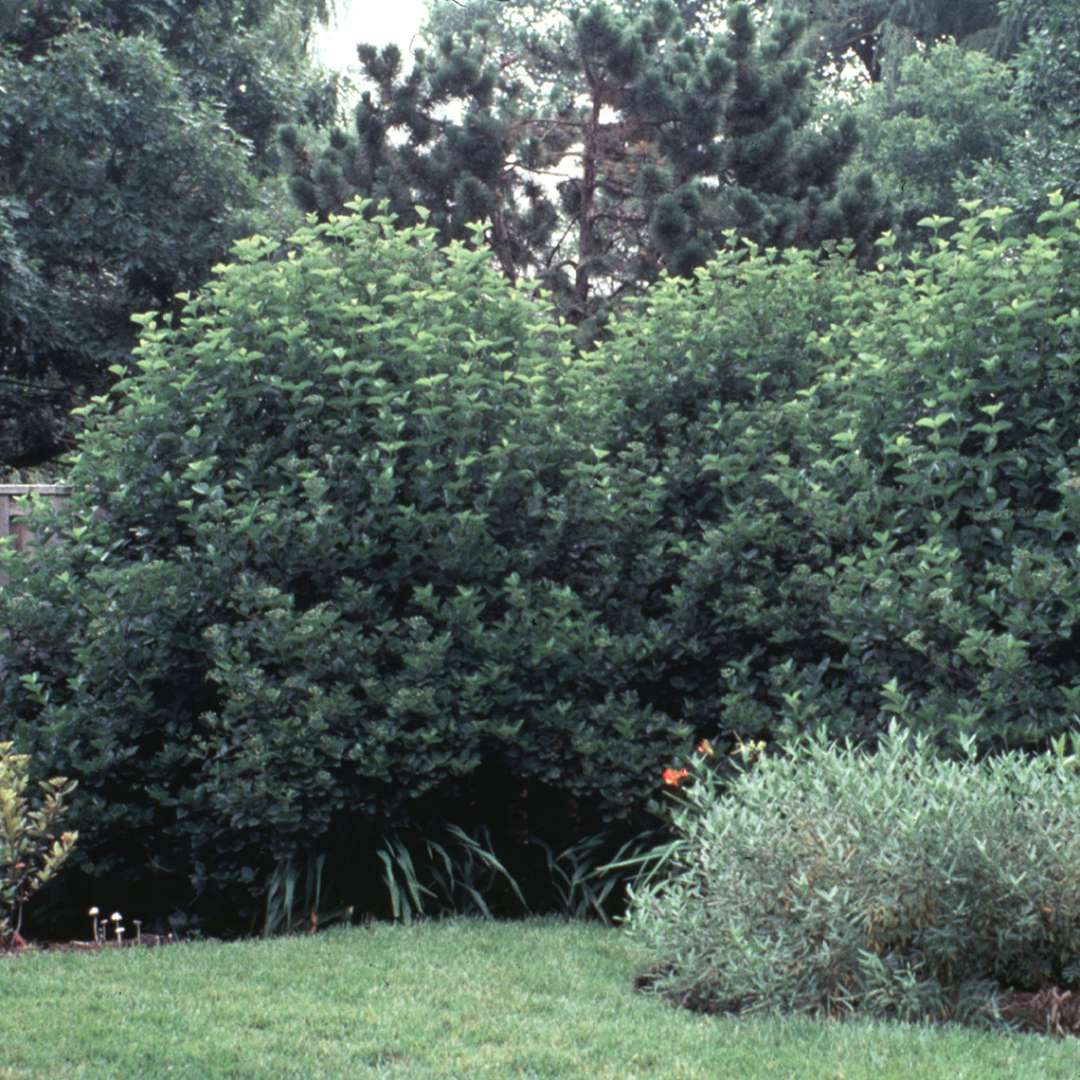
(461, 998)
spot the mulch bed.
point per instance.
(19, 947)
(1049, 1011)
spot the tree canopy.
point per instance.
(602, 145)
(1044, 153)
(950, 113)
(131, 138)
(880, 33)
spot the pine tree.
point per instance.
(601, 147)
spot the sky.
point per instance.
(377, 22)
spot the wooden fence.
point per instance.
(13, 507)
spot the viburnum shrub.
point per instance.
(831, 881)
(706, 387)
(316, 582)
(952, 467)
(359, 547)
(823, 480)
(31, 851)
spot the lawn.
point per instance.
(460, 998)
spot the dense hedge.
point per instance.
(859, 478)
(362, 545)
(312, 585)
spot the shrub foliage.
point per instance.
(899, 884)
(361, 547)
(313, 590)
(31, 851)
(846, 479)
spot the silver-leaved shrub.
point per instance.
(899, 884)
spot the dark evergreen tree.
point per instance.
(602, 146)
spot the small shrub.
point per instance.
(897, 885)
(30, 853)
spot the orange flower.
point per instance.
(705, 747)
(673, 777)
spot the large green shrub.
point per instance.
(898, 884)
(311, 587)
(958, 402)
(843, 478)
(711, 388)
(361, 547)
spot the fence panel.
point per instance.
(14, 506)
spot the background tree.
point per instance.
(950, 111)
(1043, 153)
(880, 33)
(602, 146)
(132, 138)
(249, 56)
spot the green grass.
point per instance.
(450, 999)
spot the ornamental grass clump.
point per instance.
(898, 884)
